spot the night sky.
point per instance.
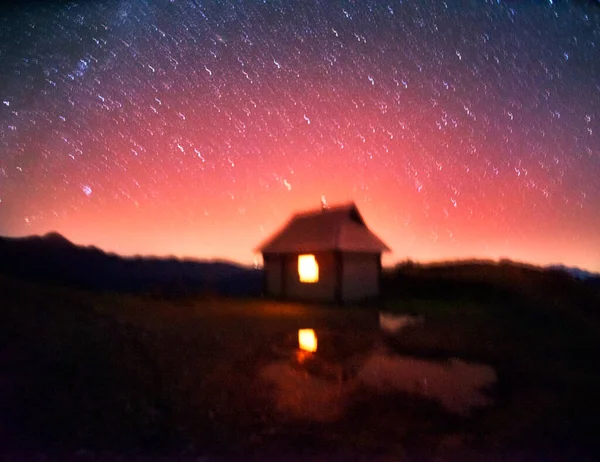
(195, 128)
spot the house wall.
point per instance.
(360, 276)
(323, 290)
(273, 275)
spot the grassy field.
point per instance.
(123, 373)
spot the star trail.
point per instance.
(195, 128)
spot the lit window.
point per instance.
(308, 269)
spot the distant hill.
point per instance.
(54, 259)
(577, 273)
(503, 281)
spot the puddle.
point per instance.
(391, 323)
(457, 385)
(301, 393)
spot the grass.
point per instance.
(544, 355)
(128, 373)
(106, 370)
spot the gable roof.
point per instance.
(336, 228)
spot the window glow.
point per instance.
(308, 268)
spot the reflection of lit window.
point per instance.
(308, 269)
(307, 340)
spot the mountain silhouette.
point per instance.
(54, 259)
(57, 239)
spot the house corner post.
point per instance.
(339, 276)
(379, 277)
(264, 277)
(283, 263)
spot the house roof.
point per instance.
(336, 228)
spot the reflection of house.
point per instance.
(324, 255)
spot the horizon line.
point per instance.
(251, 265)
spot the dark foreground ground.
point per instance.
(98, 376)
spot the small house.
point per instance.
(326, 255)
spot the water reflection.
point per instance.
(300, 394)
(391, 323)
(457, 385)
(307, 340)
(309, 387)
